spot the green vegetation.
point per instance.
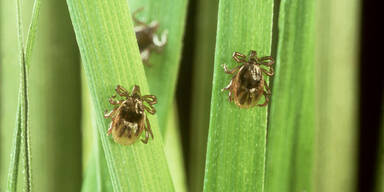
(9, 80)
(336, 72)
(21, 144)
(237, 137)
(118, 57)
(291, 126)
(53, 134)
(205, 36)
(162, 74)
(172, 145)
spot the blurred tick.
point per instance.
(129, 119)
(247, 84)
(147, 40)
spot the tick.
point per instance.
(129, 118)
(248, 84)
(147, 40)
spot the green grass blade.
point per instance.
(291, 128)
(55, 102)
(95, 167)
(110, 56)
(97, 177)
(90, 180)
(204, 35)
(32, 32)
(173, 151)
(337, 39)
(87, 127)
(22, 117)
(15, 153)
(162, 75)
(237, 137)
(102, 175)
(9, 79)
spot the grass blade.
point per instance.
(110, 56)
(237, 137)
(90, 181)
(173, 151)
(336, 120)
(291, 128)
(88, 127)
(55, 102)
(204, 35)
(9, 75)
(22, 129)
(97, 177)
(32, 32)
(15, 153)
(162, 75)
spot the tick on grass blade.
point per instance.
(248, 84)
(147, 40)
(128, 116)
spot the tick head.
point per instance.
(253, 57)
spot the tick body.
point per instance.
(129, 119)
(147, 39)
(248, 84)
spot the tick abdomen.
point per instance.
(250, 87)
(144, 38)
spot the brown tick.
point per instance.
(129, 119)
(247, 84)
(147, 39)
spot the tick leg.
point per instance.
(228, 87)
(268, 61)
(267, 89)
(115, 102)
(110, 114)
(107, 115)
(109, 129)
(150, 109)
(230, 96)
(266, 100)
(148, 128)
(267, 94)
(150, 99)
(135, 18)
(145, 56)
(121, 91)
(232, 70)
(270, 72)
(238, 57)
(160, 43)
(148, 131)
(145, 141)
